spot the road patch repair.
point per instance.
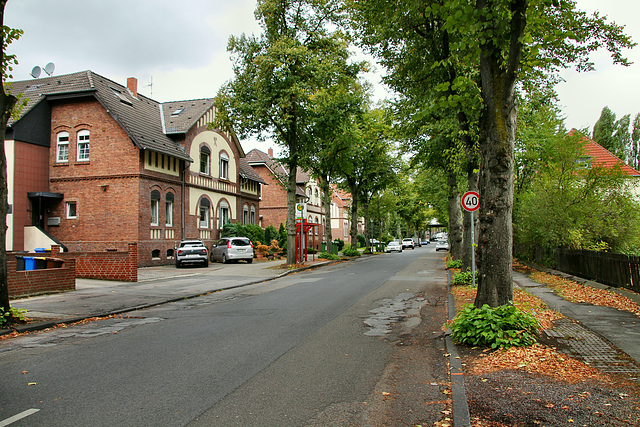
(404, 306)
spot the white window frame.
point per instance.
(71, 213)
(169, 213)
(83, 145)
(245, 214)
(224, 214)
(62, 147)
(204, 151)
(252, 217)
(203, 218)
(155, 212)
(224, 166)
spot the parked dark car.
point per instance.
(232, 249)
(192, 252)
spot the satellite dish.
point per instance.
(49, 68)
(35, 73)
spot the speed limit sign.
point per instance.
(470, 201)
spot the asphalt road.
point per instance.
(300, 350)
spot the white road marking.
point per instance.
(18, 417)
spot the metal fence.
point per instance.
(617, 270)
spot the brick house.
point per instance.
(340, 214)
(94, 165)
(273, 205)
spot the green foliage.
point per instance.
(500, 327)
(454, 263)
(572, 203)
(13, 315)
(362, 241)
(350, 251)
(282, 236)
(463, 278)
(270, 233)
(339, 243)
(326, 255)
(252, 231)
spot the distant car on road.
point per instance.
(407, 242)
(232, 249)
(425, 242)
(192, 252)
(442, 245)
(393, 246)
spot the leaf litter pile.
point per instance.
(537, 385)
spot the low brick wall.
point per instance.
(44, 281)
(105, 265)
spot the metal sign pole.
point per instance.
(473, 252)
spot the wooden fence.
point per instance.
(617, 270)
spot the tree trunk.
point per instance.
(326, 201)
(367, 228)
(455, 216)
(497, 142)
(291, 214)
(353, 232)
(7, 102)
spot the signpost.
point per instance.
(471, 203)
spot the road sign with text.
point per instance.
(470, 201)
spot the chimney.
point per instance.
(132, 85)
(270, 152)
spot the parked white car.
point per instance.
(230, 249)
(442, 245)
(394, 246)
(407, 242)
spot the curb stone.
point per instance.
(460, 407)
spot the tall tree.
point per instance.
(604, 130)
(7, 103)
(277, 75)
(635, 142)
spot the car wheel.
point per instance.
(250, 260)
(224, 259)
(178, 265)
(206, 264)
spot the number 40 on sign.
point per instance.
(471, 201)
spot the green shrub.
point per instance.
(282, 236)
(327, 255)
(14, 315)
(500, 327)
(463, 278)
(454, 263)
(350, 251)
(339, 243)
(362, 241)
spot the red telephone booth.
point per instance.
(302, 231)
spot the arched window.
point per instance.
(62, 147)
(224, 166)
(253, 215)
(155, 254)
(317, 198)
(205, 160)
(204, 213)
(155, 207)
(83, 146)
(169, 210)
(224, 214)
(245, 214)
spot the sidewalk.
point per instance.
(595, 329)
(97, 298)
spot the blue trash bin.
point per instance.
(40, 250)
(29, 263)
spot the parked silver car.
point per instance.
(190, 252)
(442, 245)
(394, 246)
(232, 249)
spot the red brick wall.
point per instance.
(120, 266)
(273, 206)
(31, 173)
(45, 281)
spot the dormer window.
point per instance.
(177, 112)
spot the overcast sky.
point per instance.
(181, 48)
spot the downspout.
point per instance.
(182, 216)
